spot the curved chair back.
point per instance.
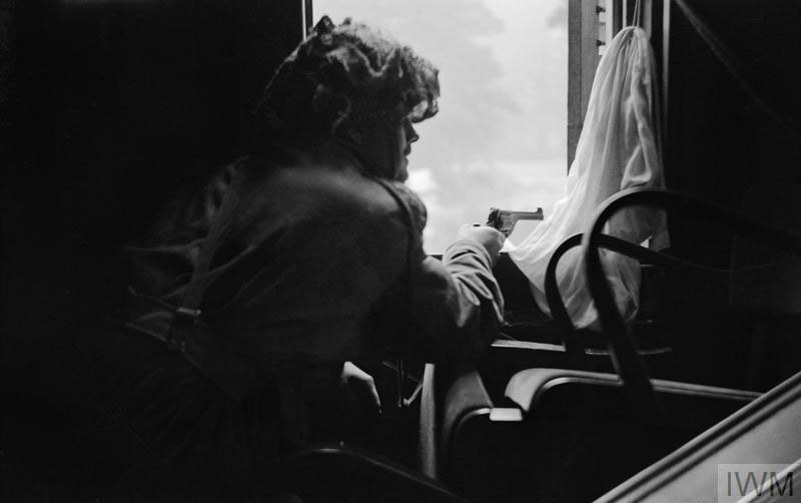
(627, 361)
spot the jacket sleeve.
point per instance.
(457, 304)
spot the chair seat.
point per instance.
(648, 335)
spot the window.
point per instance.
(501, 135)
(516, 79)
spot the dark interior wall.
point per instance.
(720, 144)
(109, 106)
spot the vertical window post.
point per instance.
(582, 62)
(307, 16)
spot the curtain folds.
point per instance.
(618, 149)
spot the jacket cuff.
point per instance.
(467, 246)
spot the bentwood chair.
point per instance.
(568, 434)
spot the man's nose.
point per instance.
(411, 134)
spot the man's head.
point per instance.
(357, 84)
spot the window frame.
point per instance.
(308, 16)
(583, 51)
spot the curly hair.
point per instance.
(343, 73)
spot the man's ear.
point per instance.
(351, 134)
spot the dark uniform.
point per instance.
(320, 263)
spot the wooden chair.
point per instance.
(566, 434)
(536, 340)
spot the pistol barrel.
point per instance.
(505, 220)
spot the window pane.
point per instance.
(500, 137)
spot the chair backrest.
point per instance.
(466, 438)
(553, 424)
(338, 472)
(628, 363)
(556, 425)
(578, 427)
(649, 336)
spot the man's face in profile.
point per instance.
(386, 147)
(406, 135)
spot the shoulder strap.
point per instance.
(407, 213)
(188, 313)
(217, 231)
(192, 338)
(411, 227)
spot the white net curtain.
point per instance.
(618, 149)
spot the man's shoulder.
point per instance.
(334, 185)
(336, 188)
(408, 198)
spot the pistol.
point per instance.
(505, 220)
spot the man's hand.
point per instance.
(492, 239)
(362, 385)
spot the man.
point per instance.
(252, 294)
